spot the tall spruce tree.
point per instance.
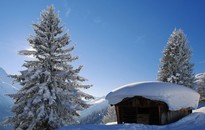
(51, 95)
(175, 65)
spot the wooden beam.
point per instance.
(118, 115)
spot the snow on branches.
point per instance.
(51, 94)
(175, 66)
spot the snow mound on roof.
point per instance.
(176, 96)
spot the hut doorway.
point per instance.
(129, 114)
(138, 110)
(143, 116)
(140, 115)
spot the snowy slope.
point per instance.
(6, 83)
(200, 75)
(96, 105)
(6, 87)
(195, 121)
(95, 113)
(6, 102)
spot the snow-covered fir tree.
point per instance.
(200, 85)
(175, 65)
(51, 94)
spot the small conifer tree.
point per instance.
(175, 66)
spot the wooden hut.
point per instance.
(146, 111)
(152, 103)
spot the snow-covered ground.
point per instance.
(5, 88)
(195, 121)
(167, 93)
(96, 105)
(95, 113)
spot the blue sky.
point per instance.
(118, 41)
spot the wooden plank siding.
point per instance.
(145, 111)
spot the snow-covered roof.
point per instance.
(175, 96)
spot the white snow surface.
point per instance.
(194, 121)
(96, 105)
(200, 75)
(175, 96)
(6, 87)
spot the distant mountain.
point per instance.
(6, 102)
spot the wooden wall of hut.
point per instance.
(144, 111)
